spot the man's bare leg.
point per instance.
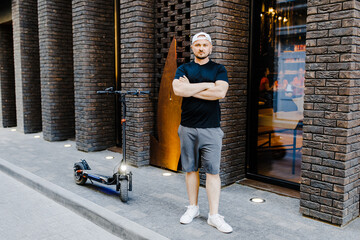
(213, 188)
(192, 186)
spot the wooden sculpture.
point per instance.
(165, 151)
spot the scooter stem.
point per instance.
(123, 125)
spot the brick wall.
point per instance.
(228, 24)
(56, 61)
(26, 62)
(93, 49)
(7, 80)
(137, 72)
(331, 146)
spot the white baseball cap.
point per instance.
(200, 36)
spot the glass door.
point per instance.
(277, 89)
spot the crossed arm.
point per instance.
(206, 90)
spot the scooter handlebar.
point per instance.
(106, 90)
(131, 92)
(103, 92)
(137, 92)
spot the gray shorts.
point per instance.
(200, 147)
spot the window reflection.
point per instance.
(280, 70)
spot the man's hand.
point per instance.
(184, 79)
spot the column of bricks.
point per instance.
(137, 72)
(331, 145)
(228, 24)
(7, 80)
(56, 71)
(94, 69)
(26, 62)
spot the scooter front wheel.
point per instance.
(78, 177)
(124, 196)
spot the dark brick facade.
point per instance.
(77, 55)
(94, 54)
(137, 72)
(27, 69)
(331, 162)
(56, 61)
(7, 80)
(228, 24)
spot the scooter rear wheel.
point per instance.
(124, 196)
(78, 177)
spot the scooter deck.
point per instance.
(101, 178)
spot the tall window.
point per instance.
(278, 68)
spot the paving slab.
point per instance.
(157, 201)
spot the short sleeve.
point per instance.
(222, 74)
(179, 72)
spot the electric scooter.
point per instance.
(122, 178)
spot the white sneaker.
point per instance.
(218, 221)
(191, 212)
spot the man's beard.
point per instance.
(199, 57)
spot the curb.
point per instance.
(114, 223)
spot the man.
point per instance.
(201, 83)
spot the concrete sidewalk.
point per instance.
(157, 202)
(28, 215)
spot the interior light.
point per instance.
(166, 174)
(67, 145)
(257, 200)
(261, 15)
(285, 19)
(109, 157)
(280, 18)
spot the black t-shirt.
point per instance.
(199, 113)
